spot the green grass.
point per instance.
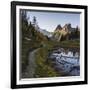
(71, 43)
(44, 68)
(26, 47)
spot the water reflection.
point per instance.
(66, 61)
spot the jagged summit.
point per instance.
(68, 26)
(66, 32)
(58, 27)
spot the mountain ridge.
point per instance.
(64, 32)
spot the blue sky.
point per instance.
(50, 20)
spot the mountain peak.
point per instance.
(58, 27)
(68, 26)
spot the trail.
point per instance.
(30, 71)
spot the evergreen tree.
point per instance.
(34, 21)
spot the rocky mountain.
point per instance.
(60, 33)
(58, 28)
(64, 33)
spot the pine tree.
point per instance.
(34, 21)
